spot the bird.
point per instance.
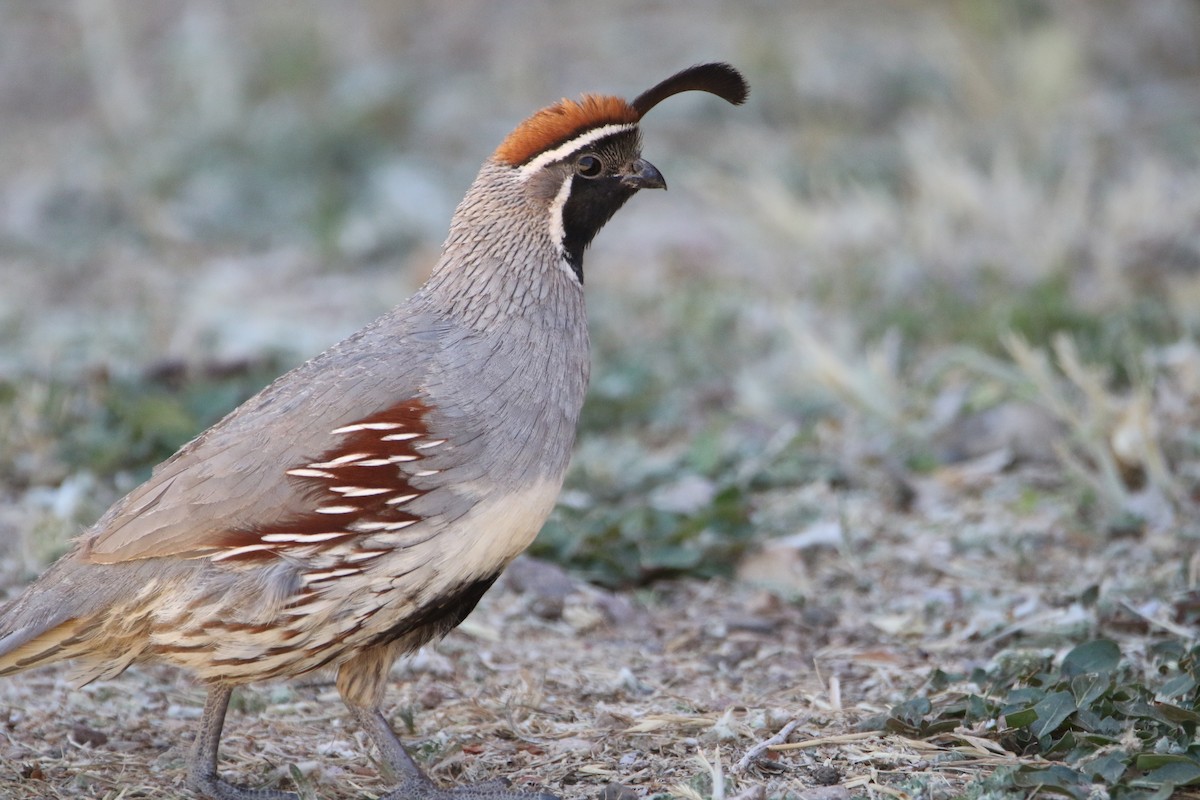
(360, 505)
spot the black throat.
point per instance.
(590, 204)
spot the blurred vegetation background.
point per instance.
(939, 232)
(911, 342)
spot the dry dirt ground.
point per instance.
(671, 690)
(814, 319)
(562, 693)
(566, 697)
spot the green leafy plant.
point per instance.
(1094, 721)
(109, 424)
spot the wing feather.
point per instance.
(233, 477)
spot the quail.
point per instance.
(360, 505)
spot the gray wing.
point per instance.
(234, 475)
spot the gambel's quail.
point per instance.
(360, 505)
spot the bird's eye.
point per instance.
(588, 166)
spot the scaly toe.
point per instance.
(495, 789)
(217, 789)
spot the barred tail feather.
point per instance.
(32, 645)
(48, 621)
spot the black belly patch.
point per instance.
(439, 616)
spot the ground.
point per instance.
(563, 687)
(895, 400)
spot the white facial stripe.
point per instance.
(557, 232)
(550, 156)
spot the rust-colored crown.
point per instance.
(562, 122)
(567, 119)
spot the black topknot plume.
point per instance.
(718, 78)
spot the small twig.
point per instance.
(1182, 631)
(843, 738)
(757, 750)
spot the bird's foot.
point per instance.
(210, 785)
(497, 789)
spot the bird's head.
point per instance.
(580, 160)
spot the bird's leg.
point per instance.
(202, 764)
(414, 783)
(361, 682)
(391, 752)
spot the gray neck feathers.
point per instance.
(499, 259)
(519, 358)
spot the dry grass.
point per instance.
(928, 302)
(703, 671)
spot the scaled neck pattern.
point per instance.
(516, 347)
(501, 259)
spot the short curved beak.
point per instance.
(644, 175)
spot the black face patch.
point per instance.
(591, 202)
(596, 191)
